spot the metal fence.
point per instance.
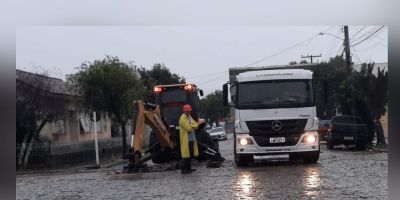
(40, 153)
(48, 154)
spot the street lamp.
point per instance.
(331, 35)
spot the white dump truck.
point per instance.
(275, 115)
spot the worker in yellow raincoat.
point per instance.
(189, 148)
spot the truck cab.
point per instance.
(171, 99)
(275, 114)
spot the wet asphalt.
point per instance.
(343, 173)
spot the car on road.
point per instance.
(217, 133)
(347, 129)
(323, 129)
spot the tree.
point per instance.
(158, 75)
(212, 107)
(110, 86)
(365, 94)
(373, 89)
(328, 77)
(39, 100)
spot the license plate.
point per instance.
(277, 140)
(270, 157)
(348, 138)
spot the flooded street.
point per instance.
(339, 174)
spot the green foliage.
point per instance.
(158, 75)
(109, 86)
(212, 107)
(328, 77)
(365, 94)
(38, 101)
(354, 93)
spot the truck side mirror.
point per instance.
(225, 94)
(201, 92)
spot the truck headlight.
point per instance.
(309, 139)
(245, 141)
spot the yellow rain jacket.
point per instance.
(184, 129)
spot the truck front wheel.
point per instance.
(243, 160)
(311, 157)
(330, 145)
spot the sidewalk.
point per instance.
(71, 169)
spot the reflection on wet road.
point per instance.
(339, 174)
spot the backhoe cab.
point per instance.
(163, 118)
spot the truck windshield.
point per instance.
(171, 102)
(275, 94)
(173, 95)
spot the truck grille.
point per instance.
(289, 141)
(289, 127)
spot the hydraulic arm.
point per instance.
(153, 119)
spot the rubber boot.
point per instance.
(190, 165)
(191, 152)
(185, 166)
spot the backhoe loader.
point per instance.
(163, 118)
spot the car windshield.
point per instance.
(214, 130)
(276, 93)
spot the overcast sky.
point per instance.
(202, 54)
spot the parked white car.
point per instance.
(217, 132)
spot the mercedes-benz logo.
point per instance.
(276, 125)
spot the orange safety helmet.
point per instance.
(187, 108)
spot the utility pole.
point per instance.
(311, 56)
(346, 44)
(96, 145)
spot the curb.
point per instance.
(75, 169)
(382, 150)
(114, 163)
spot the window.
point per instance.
(276, 94)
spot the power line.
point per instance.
(355, 53)
(282, 51)
(362, 28)
(334, 44)
(340, 50)
(368, 36)
(369, 32)
(364, 34)
(211, 80)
